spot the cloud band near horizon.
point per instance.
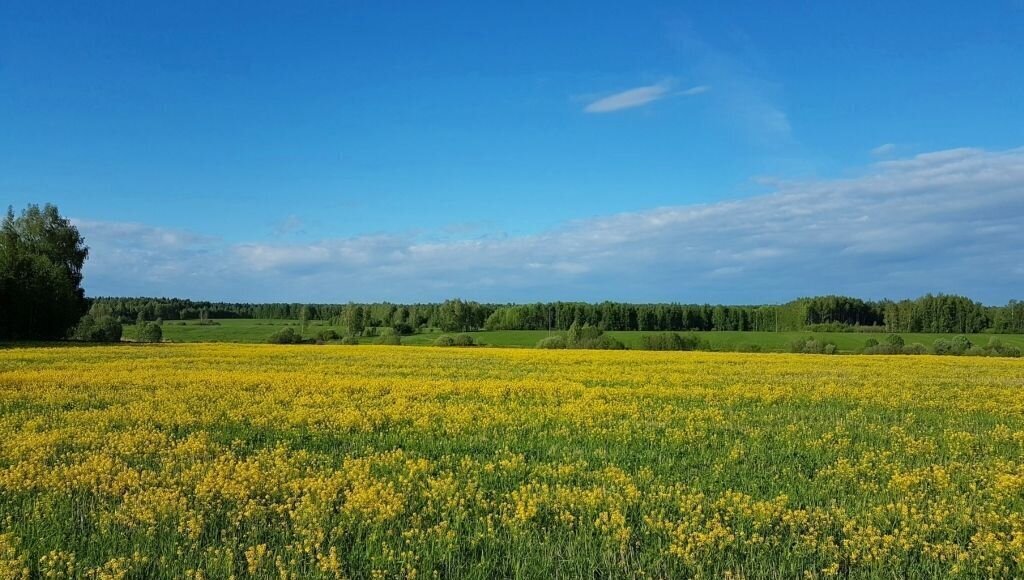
(947, 221)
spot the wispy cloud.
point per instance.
(744, 92)
(628, 99)
(926, 223)
(640, 96)
(884, 150)
(699, 89)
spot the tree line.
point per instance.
(940, 313)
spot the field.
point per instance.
(256, 331)
(222, 461)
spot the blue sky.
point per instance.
(415, 151)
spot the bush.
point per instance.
(961, 344)
(445, 340)
(602, 342)
(98, 329)
(286, 335)
(553, 342)
(915, 348)
(812, 345)
(671, 341)
(350, 340)
(942, 346)
(1011, 351)
(150, 332)
(894, 340)
(870, 343)
(464, 340)
(403, 328)
(325, 335)
(390, 339)
(830, 327)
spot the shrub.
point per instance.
(812, 345)
(601, 342)
(286, 335)
(915, 348)
(671, 341)
(464, 340)
(830, 327)
(942, 346)
(894, 340)
(326, 335)
(403, 328)
(577, 334)
(1011, 351)
(98, 329)
(445, 340)
(349, 340)
(390, 339)
(150, 332)
(553, 342)
(961, 344)
(870, 343)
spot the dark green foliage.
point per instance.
(355, 319)
(553, 342)
(464, 340)
(457, 340)
(150, 332)
(98, 329)
(830, 327)
(955, 346)
(326, 335)
(929, 313)
(460, 316)
(41, 258)
(915, 348)
(349, 340)
(672, 341)
(389, 339)
(403, 328)
(286, 335)
(894, 340)
(870, 343)
(812, 345)
(590, 337)
(961, 345)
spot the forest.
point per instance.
(930, 313)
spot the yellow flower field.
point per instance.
(220, 461)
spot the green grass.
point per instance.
(256, 331)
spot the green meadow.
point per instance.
(257, 331)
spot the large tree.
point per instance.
(41, 257)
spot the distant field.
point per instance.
(245, 330)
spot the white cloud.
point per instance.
(947, 221)
(884, 150)
(699, 89)
(640, 96)
(628, 99)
